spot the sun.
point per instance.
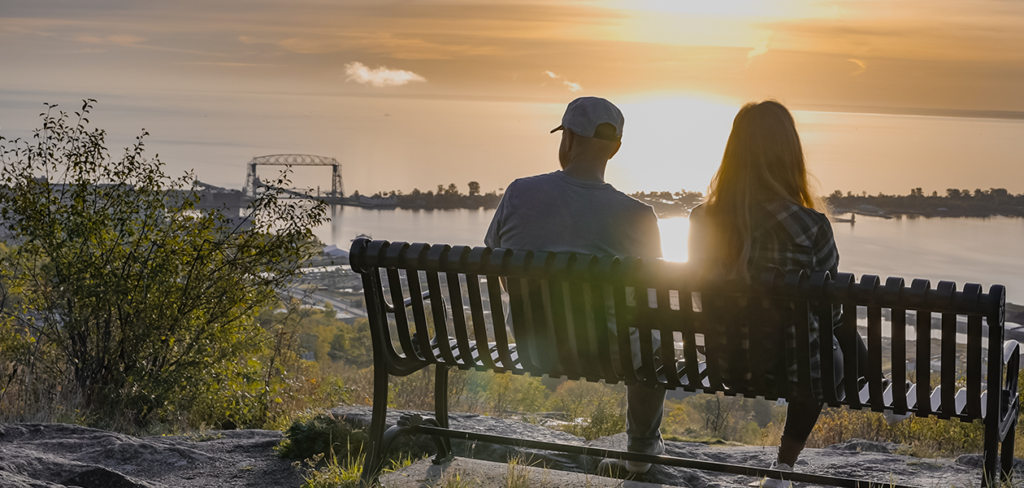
(671, 143)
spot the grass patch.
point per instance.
(516, 474)
(321, 436)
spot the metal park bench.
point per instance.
(570, 315)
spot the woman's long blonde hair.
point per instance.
(763, 162)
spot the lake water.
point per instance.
(979, 250)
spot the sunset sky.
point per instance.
(416, 93)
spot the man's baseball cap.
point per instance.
(585, 114)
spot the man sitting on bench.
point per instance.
(575, 210)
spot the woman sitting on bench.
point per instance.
(760, 212)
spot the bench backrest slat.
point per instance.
(922, 363)
(826, 329)
(602, 333)
(440, 315)
(400, 314)
(459, 318)
(379, 329)
(521, 330)
(498, 325)
(898, 355)
(847, 335)
(497, 309)
(419, 314)
(645, 314)
(948, 366)
(974, 364)
(995, 379)
(874, 343)
(669, 320)
(630, 374)
(476, 316)
(944, 292)
(688, 329)
(540, 307)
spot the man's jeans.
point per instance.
(644, 410)
(645, 404)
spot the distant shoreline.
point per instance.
(993, 202)
(915, 111)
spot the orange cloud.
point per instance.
(572, 86)
(861, 67)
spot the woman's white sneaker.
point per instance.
(774, 483)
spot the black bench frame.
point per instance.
(560, 331)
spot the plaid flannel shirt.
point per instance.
(791, 236)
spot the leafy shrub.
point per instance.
(329, 439)
(324, 436)
(122, 291)
(593, 409)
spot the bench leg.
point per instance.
(990, 467)
(1006, 455)
(441, 394)
(441, 410)
(374, 454)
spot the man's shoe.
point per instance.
(774, 483)
(615, 467)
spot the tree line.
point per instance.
(953, 202)
(444, 197)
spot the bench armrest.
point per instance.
(408, 302)
(1011, 360)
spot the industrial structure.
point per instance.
(252, 181)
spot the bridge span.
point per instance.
(337, 194)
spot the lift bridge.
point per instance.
(252, 181)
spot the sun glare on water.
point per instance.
(674, 235)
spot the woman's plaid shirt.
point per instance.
(790, 236)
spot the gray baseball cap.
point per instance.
(584, 114)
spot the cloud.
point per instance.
(860, 65)
(382, 76)
(760, 48)
(572, 86)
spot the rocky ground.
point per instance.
(53, 455)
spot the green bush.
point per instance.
(593, 409)
(322, 435)
(119, 290)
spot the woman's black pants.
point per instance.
(802, 415)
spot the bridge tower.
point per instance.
(337, 186)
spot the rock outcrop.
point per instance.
(52, 455)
